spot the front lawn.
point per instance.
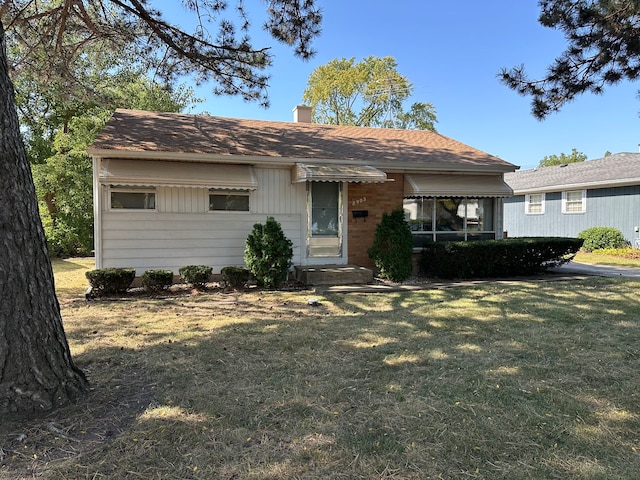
(521, 380)
(627, 257)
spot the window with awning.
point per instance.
(304, 172)
(445, 207)
(145, 173)
(456, 186)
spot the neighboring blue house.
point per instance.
(563, 200)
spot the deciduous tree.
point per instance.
(63, 180)
(369, 93)
(563, 158)
(37, 372)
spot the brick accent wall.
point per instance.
(377, 198)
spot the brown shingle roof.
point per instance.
(614, 170)
(141, 131)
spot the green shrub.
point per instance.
(598, 238)
(497, 258)
(196, 275)
(60, 242)
(106, 281)
(392, 247)
(156, 280)
(268, 253)
(235, 277)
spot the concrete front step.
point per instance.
(333, 275)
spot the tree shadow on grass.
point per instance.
(529, 381)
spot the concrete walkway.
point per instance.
(567, 272)
(597, 270)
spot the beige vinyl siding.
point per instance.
(182, 199)
(155, 240)
(182, 231)
(276, 193)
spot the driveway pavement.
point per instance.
(597, 270)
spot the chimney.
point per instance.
(302, 114)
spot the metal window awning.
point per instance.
(304, 172)
(456, 186)
(177, 174)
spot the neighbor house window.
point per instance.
(574, 201)
(440, 219)
(534, 204)
(229, 201)
(131, 198)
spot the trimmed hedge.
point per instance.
(107, 281)
(196, 275)
(235, 277)
(497, 258)
(156, 280)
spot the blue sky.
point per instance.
(452, 52)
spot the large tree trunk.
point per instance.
(36, 369)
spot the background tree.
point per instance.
(562, 159)
(37, 372)
(64, 180)
(59, 123)
(602, 50)
(369, 93)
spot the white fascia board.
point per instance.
(625, 182)
(258, 160)
(190, 157)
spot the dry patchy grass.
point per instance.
(494, 381)
(625, 257)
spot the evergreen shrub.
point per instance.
(268, 253)
(107, 281)
(235, 277)
(196, 275)
(392, 247)
(156, 280)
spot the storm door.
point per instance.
(324, 232)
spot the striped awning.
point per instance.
(177, 174)
(456, 186)
(304, 172)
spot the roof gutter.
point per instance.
(398, 167)
(626, 182)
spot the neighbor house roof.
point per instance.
(621, 169)
(171, 136)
